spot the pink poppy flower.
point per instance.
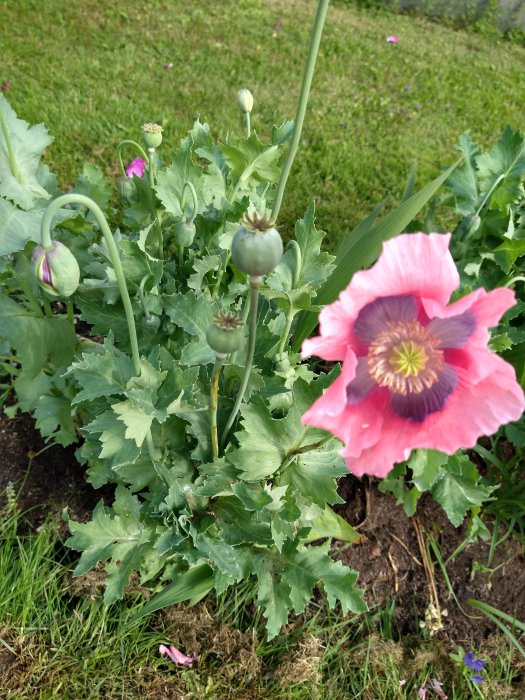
(392, 39)
(136, 167)
(177, 656)
(416, 373)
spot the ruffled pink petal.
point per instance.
(335, 326)
(488, 308)
(471, 411)
(413, 263)
(359, 424)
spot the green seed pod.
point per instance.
(245, 100)
(152, 135)
(257, 247)
(226, 333)
(56, 270)
(184, 233)
(150, 322)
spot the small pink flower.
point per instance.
(392, 39)
(5, 86)
(177, 656)
(136, 167)
(417, 373)
(168, 66)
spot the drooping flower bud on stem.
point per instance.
(56, 269)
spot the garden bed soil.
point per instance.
(388, 558)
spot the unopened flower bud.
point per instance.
(127, 189)
(56, 270)
(184, 233)
(152, 135)
(226, 333)
(245, 100)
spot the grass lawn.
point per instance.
(93, 72)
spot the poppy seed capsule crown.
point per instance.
(257, 246)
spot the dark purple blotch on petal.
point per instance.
(453, 332)
(362, 383)
(417, 407)
(374, 317)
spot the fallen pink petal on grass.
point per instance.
(177, 656)
(136, 167)
(5, 86)
(417, 371)
(392, 39)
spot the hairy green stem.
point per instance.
(214, 399)
(313, 50)
(286, 331)
(248, 125)
(47, 244)
(137, 146)
(70, 312)
(13, 165)
(255, 283)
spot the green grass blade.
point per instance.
(494, 615)
(362, 246)
(195, 582)
(410, 183)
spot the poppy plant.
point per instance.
(416, 373)
(136, 167)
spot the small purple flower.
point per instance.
(471, 662)
(136, 167)
(177, 656)
(477, 678)
(407, 88)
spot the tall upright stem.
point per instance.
(214, 398)
(313, 50)
(255, 283)
(47, 244)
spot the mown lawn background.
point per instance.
(93, 72)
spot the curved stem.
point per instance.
(11, 156)
(518, 278)
(313, 49)
(298, 263)
(255, 283)
(214, 395)
(188, 185)
(47, 244)
(286, 332)
(486, 197)
(135, 145)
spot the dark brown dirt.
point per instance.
(389, 559)
(390, 564)
(47, 480)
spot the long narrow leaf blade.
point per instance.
(363, 247)
(197, 581)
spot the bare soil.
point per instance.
(389, 558)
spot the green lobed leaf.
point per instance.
(459, 489)
(27, 145)
(17, 226)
